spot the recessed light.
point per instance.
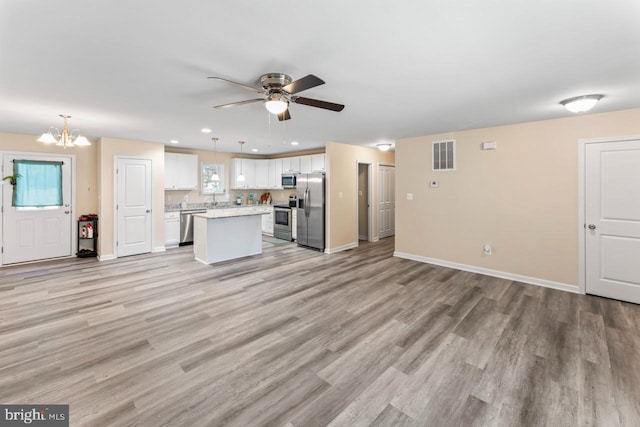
(174, 141)
(255, 150)
(205, 130)
(294, 142)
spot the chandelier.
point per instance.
(65, 138)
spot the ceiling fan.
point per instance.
(280, 90)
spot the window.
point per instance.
(444, 153)
(39, 183)
(207, 185)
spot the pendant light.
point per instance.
(241, 177)
(215, 176)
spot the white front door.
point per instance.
(612, 220)
(35, 233)
(386, 201)
(133, 205)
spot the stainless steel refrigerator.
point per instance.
(310, 218)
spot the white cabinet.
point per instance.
(305, 164)
(294, 223)
(267, 223)
(275, 174)
(291, 164)
(171, 229)
(248, 169)
(317, 163)
(262, 174)
(180, 171)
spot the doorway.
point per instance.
(37, 227)
(364, 202)
(386, 201)
(133, 206)
(610, 218)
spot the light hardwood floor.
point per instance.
(298, 338)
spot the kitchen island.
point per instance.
(224, 234)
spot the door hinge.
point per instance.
(117, 206)
(117, 171)
(116, 243)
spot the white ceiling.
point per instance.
(139, 70)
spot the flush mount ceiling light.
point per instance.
(255, 150)
(383, 147)
(241, 176)
(174, 141)
(276, 103)
(65, 138)
(215, 176)
(580, 104)
(294, 143)
(205, 130)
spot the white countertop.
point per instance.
(230, 213)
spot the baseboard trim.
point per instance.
(494, 273)
(159, 249)
(106, 257)
(341, 248)
(362, 237)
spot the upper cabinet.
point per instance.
(246, 168)
(180, 171)
(317, 163)
(305, 164)
(261, 174)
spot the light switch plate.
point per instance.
(409, 196)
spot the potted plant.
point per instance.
(12, 178)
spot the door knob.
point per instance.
(67, 212)
(148, 210)
(592, 226)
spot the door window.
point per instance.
(37, 184)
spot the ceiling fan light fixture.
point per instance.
(580, 104)
(276, 104)
(384, 147)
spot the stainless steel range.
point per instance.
(282, 222)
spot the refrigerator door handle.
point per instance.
(306, 203)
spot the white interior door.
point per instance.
(612, 207)
(36, 233)
(133, 205)
(386, 201)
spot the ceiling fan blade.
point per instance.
(284, 115)
(317, 103)
(234, 104)
(240, 85)
(304, 83)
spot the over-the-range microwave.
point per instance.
(288, 180)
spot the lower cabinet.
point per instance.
(294, 224)
(267, 223)
(171, 229)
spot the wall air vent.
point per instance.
(444, 154)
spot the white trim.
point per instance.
(106, 257)
(582, 209)
(158, 249)
(370, 209)
(341, 248)
(494, 273)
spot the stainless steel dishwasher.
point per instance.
(186, 226)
